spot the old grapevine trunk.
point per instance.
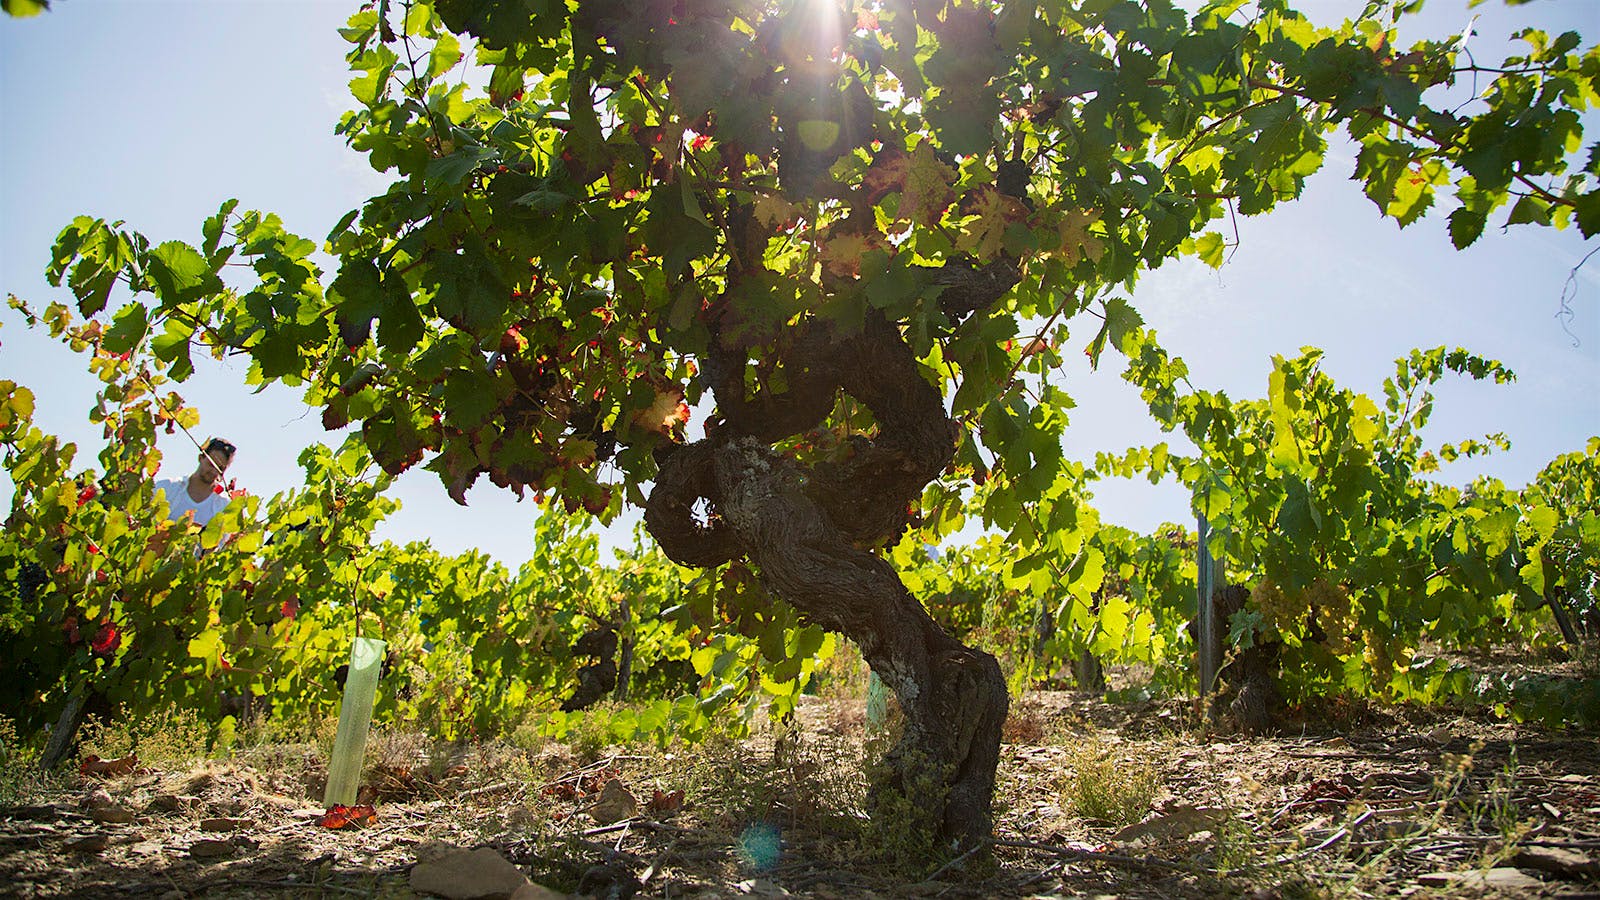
(809, 531)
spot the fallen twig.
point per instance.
(1038, 876)
(636, 822)
(953, 863)
(292, 886)
(1126, 862)
(487, 789)
(614, 826)
(1338, 754)
(655, 864)
(1339, 834)
(599, 765)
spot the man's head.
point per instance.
(214, 460)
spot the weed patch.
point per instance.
(1099, 786)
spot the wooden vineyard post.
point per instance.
(55, 750)
(1563, 621)
(355, 721)
(1209, 641)
(625, 657)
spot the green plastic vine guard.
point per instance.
(877, 700)
(355, 720)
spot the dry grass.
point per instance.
(1026, 723)
(1108, 786)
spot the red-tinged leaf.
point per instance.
(106, 640)
(886, 175)
(921, 180)
(341, 816)
(290, 608)
(842, 251)
(668, 411)
(513, 341)
(989, 213)
(597, 504)
(108, 768)
(1326, 789)
(563, 791)
(1076, 241)
(776, 213)
(665, 802)
(927, 192)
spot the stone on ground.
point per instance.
(480, 874)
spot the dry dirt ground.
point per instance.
(1095, 800)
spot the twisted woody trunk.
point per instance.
(809, 531)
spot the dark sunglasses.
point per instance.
(220, 444)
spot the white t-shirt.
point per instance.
(178, 501)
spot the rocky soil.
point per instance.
(1096, 800)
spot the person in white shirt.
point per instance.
(201, 495)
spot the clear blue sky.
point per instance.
(155, 112)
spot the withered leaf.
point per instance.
(341, 816)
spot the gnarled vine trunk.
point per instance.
(808, 532)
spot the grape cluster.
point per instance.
(1321, 611)
(1279, 609)
(28, 579)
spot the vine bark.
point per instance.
(808, 531)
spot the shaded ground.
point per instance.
(1131, 801)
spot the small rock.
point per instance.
(111, 815)
(211, 848)
(761, 887)
(162, 803)
(1568, 863)
(1511, 879)
(93, 843)
(33, 813)
(96, 799)
(222, 824)
(468, 875)
(219, 809)
(1502, 879)
(615, 804)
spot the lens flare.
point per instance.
(760, 846)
